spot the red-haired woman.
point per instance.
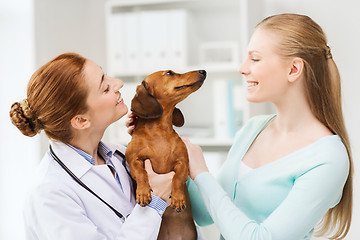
(83, 188)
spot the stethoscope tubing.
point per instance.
(81, 183)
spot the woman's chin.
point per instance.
(123, 111)
(252, 99)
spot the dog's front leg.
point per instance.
(178, 200)
(143, 190)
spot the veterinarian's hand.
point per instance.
(130, 123)
(197, 163)
(159, 183)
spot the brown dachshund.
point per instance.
(154, 138)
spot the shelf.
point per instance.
(208, 69)
(184, 3)
(212, 144)
(145, 36)
(206, 144)
(132, 3)
(179, 43)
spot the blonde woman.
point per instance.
(288, 171)
(83, 188)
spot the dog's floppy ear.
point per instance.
(144, 104)
(177, 118)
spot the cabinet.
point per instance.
(144, 36)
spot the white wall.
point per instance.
(18, 154)
(70, 25)
(339, 20)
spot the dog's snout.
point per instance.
(202, 72)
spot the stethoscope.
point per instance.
(81, 183)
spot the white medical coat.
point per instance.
(58, 208)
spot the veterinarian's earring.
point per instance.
(145, 105)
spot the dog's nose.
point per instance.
(202, 72)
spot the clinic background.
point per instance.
(34, 31)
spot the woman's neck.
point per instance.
(88, 143)
(292, 121)
(294, 116)
(293, 113)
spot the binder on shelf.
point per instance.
(131, 43)
(147, 40)
(153, 39)
(228, 108)
(163, 39)
(177, 55)
(239, 104)
(116, 53)
(221, 109)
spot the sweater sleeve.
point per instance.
(312, 194)
(199, 211)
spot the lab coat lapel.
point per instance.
(94, 177)
(103, 183)
(76, 163)
(125, 179)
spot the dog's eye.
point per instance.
(171, 73)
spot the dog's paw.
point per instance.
(143, 197)
(178, 202)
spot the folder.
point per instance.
(221, 110)
(154, 39)
(131, 41)
(115, 49)
(177, 54)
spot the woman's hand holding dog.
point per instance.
(159, 183)
(197, 163)
(131, 122)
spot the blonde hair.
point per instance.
(56, 92)
(301, 37)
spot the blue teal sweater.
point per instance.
(282, 200)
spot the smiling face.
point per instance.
(265, 71)
(104, 98)
(168, 86)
